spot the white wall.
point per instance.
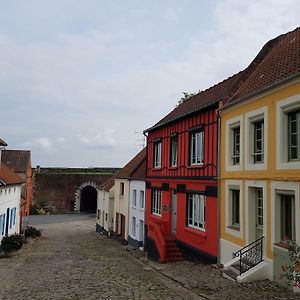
(121, 203)
(105, 203)
(10, 198)
(136, 211)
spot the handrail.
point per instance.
(250, 256)
(156, 229)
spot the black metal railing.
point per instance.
(250, 256)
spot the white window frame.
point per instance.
(157, 154)
(229, 228)
(196, 144)
(142, 200)
(134, 198)
(251, 118)
(198, 218)
(156, 202)
(289, 188)
(283, 108)
(173, 151)
(230, 125)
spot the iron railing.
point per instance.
(250, 256)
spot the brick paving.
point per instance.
(72, 261)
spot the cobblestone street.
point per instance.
(72, 261)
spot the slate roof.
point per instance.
(135, 169)
(277, 62)
(107, 185)
(7, 176)
(17, 160)
(2, 143)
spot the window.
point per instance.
(196, 211)
(2, 224)
(174, 151)
(157, 154)
(287, 217)
(133, 226)
(122, 188)
(98, 214)
(294, 135)
(142, 196)
(134, 198)
(196, 147)
(260, 208)
(258, 142)
(236, 145)
(156, 202)
(235, 207)
(106, 217)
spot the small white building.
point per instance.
(105, 208)
(126, 181)
(10, 196)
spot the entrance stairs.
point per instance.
(173, 253)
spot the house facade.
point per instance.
(181, 182)
(260, 164)
(105, 208)
(122, 183)
(10, 195)
(137, 206)
(20, 162)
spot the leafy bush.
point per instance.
(32, 232)
(12, 243)
(292, 272)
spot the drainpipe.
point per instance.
(218, 178)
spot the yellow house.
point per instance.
(260, 164)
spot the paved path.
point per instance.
(72, 261)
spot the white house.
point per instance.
(10, 196)
(126, 181)
(105, 207)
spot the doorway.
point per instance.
(88, 200)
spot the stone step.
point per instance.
(229, 274)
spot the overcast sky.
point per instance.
(79, 78)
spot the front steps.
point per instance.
(173, 253)
(232, 269)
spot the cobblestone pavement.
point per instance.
(207, 281)
(72, 261)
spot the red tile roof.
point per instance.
(278, 61)
(208, 97)
(7, 176)
(18, 160)
(135, 169)
(107, 185)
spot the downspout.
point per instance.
(218, 177)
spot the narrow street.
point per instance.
(72, 261)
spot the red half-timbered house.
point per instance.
(181, 184)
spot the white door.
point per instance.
(174, 210)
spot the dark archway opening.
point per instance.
(88, 200)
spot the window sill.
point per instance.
(236, 228)
(282, 245)
(195, 231)
(157, 169)
(155, 216)
(195, 166)
(173, 168)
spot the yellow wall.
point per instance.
(267, 175)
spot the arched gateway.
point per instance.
(86, 198)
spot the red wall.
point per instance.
(209, 120)
(196, 178)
